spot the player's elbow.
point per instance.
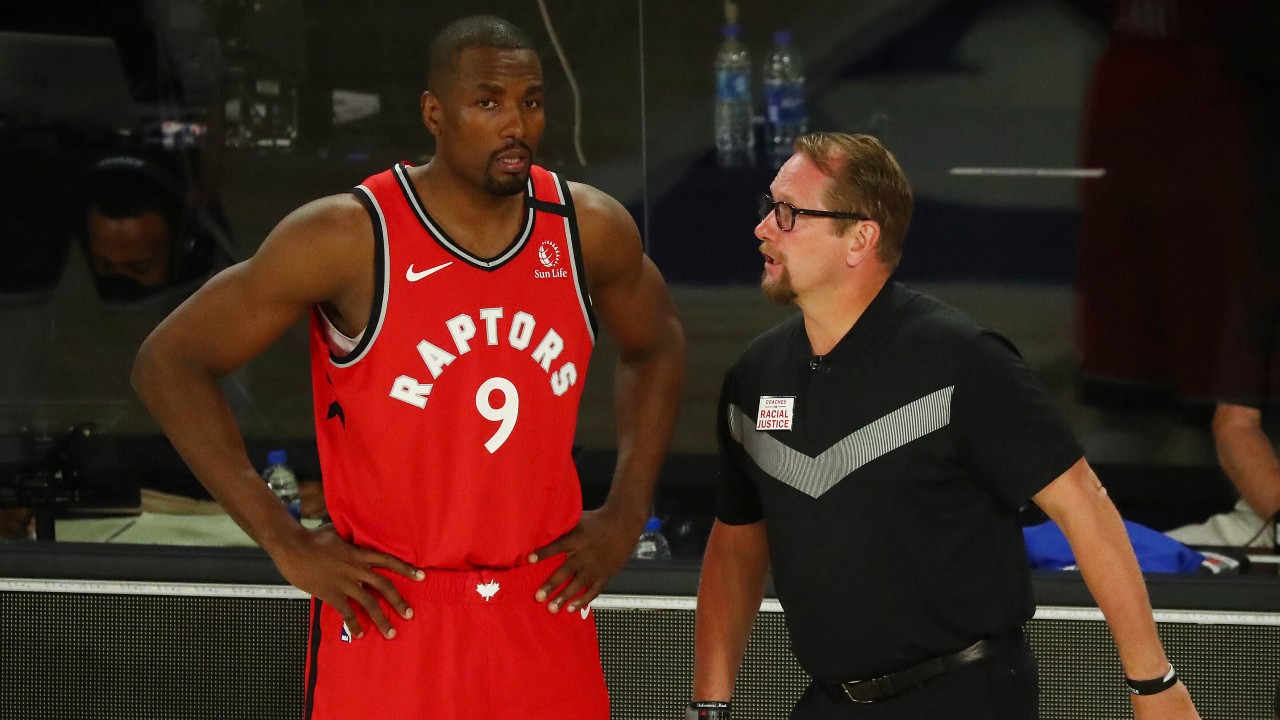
(142, 375)
(150, 367)
(675, 341)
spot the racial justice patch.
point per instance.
(776, 412)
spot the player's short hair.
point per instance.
(866, 179)
(475, 31)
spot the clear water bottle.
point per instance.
(735, 141)
(653, 544)
(282, 481)
(785, 116)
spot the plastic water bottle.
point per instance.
(282, 481)
(735, 141)
(785, 116)
(653, 544)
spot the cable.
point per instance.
(644, 132)
(1269, 520)
(573, 84)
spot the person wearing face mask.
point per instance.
(141, 232)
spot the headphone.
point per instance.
(193, 230)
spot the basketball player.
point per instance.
(453, 310)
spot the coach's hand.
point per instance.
(595, 550)
(321, 563)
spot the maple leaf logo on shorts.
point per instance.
(488, 590)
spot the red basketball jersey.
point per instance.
(445, 430)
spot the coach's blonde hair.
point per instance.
(866, 179)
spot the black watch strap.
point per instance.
(707, 710)
(1151, 687)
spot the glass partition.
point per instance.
(151, 143)
(1092, 179)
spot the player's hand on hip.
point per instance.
(594, 551)
(1172, 704)
(324, 565)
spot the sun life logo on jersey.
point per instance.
(549, 256)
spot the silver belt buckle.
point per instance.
(845, 687)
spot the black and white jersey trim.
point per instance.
(575, 253)
(440, 236)
(381, 271)
(814, 476)
(309, 700)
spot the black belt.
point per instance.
(887, 686)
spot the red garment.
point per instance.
(445, 435)
(445, 439)
(477, 646)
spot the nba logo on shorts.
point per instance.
(345, 635)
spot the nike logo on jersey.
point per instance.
(412, 276)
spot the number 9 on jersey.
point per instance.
(506, 413)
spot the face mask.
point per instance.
(122, 289)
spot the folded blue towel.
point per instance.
(1047, 549)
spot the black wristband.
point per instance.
(707, 710)
(1151, 687)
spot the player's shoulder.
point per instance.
(595, 207)
(611, 245)
(338, 223)
(332, 214)
(330, 237)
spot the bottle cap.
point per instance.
(732, 30)
(653, 524)
(782, 37)
(277, 457)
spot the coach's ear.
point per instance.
(864, 240)
(431, 109)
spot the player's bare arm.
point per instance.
(1078, 503)
(320, 254)
(632, 302)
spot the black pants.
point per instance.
(999, 688)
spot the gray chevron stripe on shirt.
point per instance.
(814, 476)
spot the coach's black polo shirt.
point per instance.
(891, 503)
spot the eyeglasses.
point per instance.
(785, 213)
